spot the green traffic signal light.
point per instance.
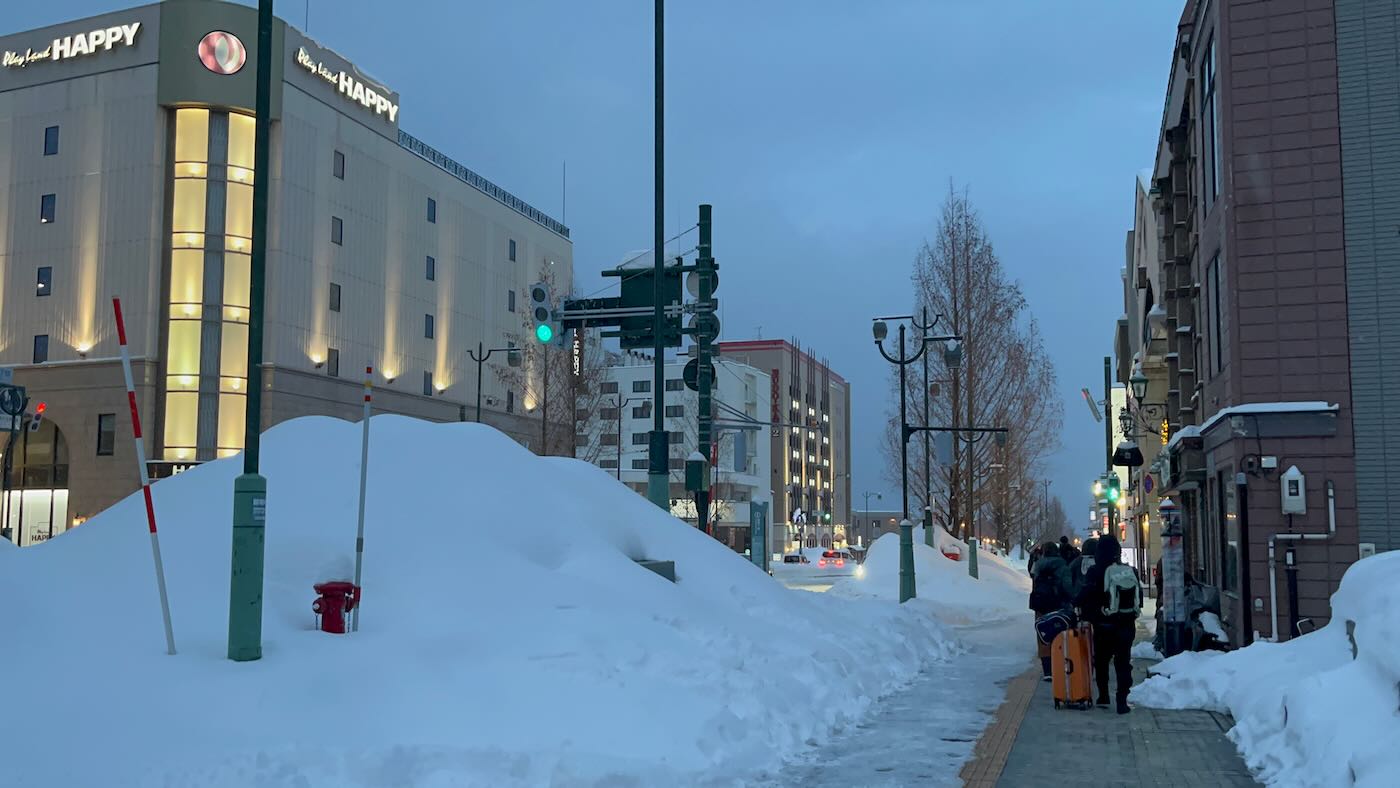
(544, 333)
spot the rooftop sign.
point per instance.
(349, 86)
(69, 47)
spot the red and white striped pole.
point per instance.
(145, 476)
(360, 528)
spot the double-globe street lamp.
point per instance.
(952, 356)
(480, 355)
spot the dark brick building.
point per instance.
(1275, 183)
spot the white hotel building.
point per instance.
(615, 437)
(126, 155)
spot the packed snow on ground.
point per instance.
(1144, 649)
(1001, 591)
(507, 636)
(1307, 713)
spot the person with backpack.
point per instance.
(1110, 600)
(1051, 590)
(1080, 566)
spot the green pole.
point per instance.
(928, 526)
(906, 561)
(250, 489)
(704, 265)
(658, 468)
(972, 555)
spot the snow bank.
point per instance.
(507, 636)
(1307, 713)
(1145, 650)
(1001, 591)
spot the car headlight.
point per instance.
(860, 571)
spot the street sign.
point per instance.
(9, 423)
(691, 374)
(7, 374)
(1147, 483)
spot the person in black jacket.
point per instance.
(1113, 635)
(1051, 590)
(1068, 551)
(1082, 563)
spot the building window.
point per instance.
(510, 402)
(337, 231)
(675, 438)
(333, 362)
(1217, 357)
(676, 463)
(512, 250)
(48, 205)
(608, 414)
(675, 384)
(106, 431)
(675, 411)
(432, 211)
(639, 465)
(639, 439)
(609, 387)
(51, 141)
(427, 326)
(641, 386)
(609, 463)
(338, 165)
(510, 301)
(608, 439)
(641, 412)
(1210, 131)
(430, 269)
(44, 285)
(41, 348)
(335, 297)
(427, 384)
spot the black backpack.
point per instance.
(1045, 593)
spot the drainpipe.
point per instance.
(1273, 573)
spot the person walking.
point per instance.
(1110, 599)
(1035, 556)
(1051, 590)
(1067, 550)
(1081, 565)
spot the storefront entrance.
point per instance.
(34, 492)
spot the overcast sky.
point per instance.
(824, 132)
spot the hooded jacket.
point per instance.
(1077, 570)
(1091, 598)
(1051, 572)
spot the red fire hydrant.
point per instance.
(337, 597)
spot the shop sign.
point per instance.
(349, 87)
(69, 47)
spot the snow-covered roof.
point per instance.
(1183, 329)
(1189, 431)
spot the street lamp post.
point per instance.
(480, 355)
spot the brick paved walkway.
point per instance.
(1031, 744)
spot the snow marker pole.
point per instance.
(145, 476)
(360, 527)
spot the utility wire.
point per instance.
(639, 255)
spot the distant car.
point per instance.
(835, 558)
(795, 558)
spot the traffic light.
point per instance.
(38, 418)
(1098, 490)
(1115, 490)
(546, 326)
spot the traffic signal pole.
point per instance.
(245, 601)
(658, 469)
(704, 271)
(1108, 436)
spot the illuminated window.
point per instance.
(106, 434)
(237, 285)
(188, 213)
(51, 141)
(41, 348)
(192, 135)
(44, 285)
(233, 351)
(48, 206)
(180, 424)
(238, 213)
(432, 211)
(333, 362)
(233, 413)
(335, 297)
(512, 250)
(430, 270)
(242, 133)
(338, 165)
(337, 231)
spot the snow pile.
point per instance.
(507, 635)
(1307, 713)
(1000, 592)
(1144, 649)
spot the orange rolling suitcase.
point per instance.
(1072, 667)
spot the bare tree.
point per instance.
(1005, 380)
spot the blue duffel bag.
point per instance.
(1052, 624)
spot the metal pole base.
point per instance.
(659, 490)
(928, 527)
(906, 561)
(246, 579)
(972, 557)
